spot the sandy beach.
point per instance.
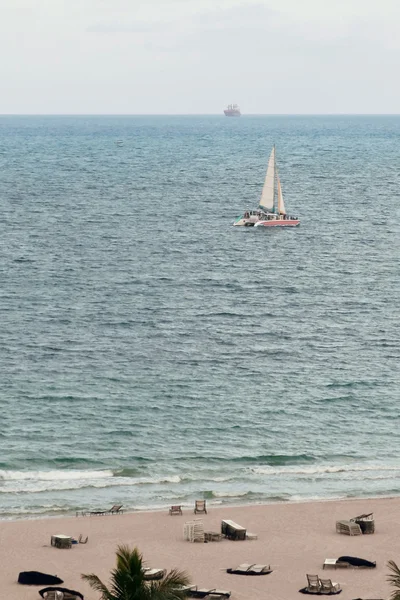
(294, 539)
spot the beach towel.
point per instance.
(60, 589)
(37, 578)
(357, 562)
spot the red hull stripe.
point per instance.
(287, 223)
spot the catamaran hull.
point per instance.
(244, 223)
(278, 223)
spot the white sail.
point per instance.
(267, 196)
(281, 206)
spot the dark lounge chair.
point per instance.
(49, 593)
(250, 569)
(176, 509)
(114, 510)
(37, 578)
(200, 507)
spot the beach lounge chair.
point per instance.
(196, 592)
(82, 540)
(54, 595)
(114, 510)
(314, 584)
(366, 522)
(200, 507)
(175, 509)
(185, 589)
(153, 574)
(250, 569)
(59, 593)
(335, 562)
(213, 593)
(328, 587)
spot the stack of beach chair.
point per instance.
(348, 528)
(193, 531)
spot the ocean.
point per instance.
(152, 354)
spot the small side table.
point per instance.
(61, 541)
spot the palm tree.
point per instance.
(394, 580)
(128, 580)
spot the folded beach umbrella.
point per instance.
(357, 562)
(37, 578)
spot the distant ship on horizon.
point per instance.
(232, 110)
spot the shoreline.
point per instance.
(209, 504)
(294, 538)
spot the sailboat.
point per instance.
(271, 211)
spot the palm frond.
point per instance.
(394, 579)
(129, 560)
(169, 587)
(97, 585)
(125, 584)
(127, 580)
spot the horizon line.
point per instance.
(197, 114)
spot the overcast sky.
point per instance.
(196, 56)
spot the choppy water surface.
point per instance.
(151, 354)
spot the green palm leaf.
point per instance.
(394, 580)
(127, 581)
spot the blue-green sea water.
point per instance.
(152, 354)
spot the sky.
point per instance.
(196, 56)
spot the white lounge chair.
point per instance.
(335, 562)
(329, 587)
(150, 574)
(314, 584)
